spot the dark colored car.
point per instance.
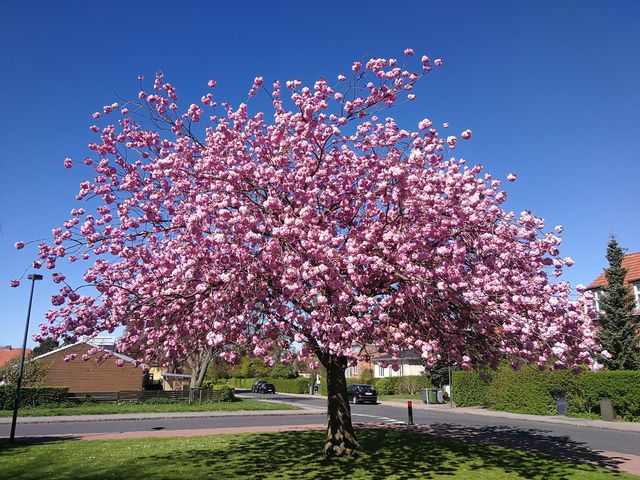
(362, 393)
(255, 388)
(266, 388)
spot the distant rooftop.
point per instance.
(8, 353)
(631, 262)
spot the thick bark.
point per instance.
(341, 439)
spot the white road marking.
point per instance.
(379, 418)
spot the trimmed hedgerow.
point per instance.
(530, 390)
(470, 388)
(622, 386)
(33, 396)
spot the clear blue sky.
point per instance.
(551, 90)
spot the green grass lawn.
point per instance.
(389, 454)
(107, 407)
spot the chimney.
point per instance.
(7, 347)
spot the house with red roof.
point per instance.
(8, 353)
(631, 262)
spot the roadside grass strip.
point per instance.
(389, 453)
(130, 407)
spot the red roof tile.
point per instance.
(631, 262)
(8, 354)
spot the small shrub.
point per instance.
(227, 395)
(386, 386)
(367, 377)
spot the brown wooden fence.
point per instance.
(198, 395)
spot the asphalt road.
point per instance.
(571, 442)
(509, 431)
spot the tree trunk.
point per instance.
(199, 361)
(341, 439)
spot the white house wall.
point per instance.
(406, 369)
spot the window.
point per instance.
(355, 371)
(636, 291)
(380, 371)
(596, 295)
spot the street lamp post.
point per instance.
(16, 402)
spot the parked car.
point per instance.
(255, 388)
(266, 388)
(362, 393)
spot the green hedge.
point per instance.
(470, 388)
(528, 390)
(323, 383)
(32, 396)
(282, 385)
(532, 391)
(623, 387)
(408, 384)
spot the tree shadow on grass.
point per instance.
(389, 453)
(535, 441)
(398, 453)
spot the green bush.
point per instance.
(33, 396)
(470, 388)
(227, 395)
(385, 386)
(160, 401)
(367, 377)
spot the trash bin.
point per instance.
(561, 405)
(607, 412)
(429, 395)
(423, 394)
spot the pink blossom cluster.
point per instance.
(326, 224)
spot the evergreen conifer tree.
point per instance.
(619, 322)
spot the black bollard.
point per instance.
(410, 410)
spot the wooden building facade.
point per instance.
(89, 376)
